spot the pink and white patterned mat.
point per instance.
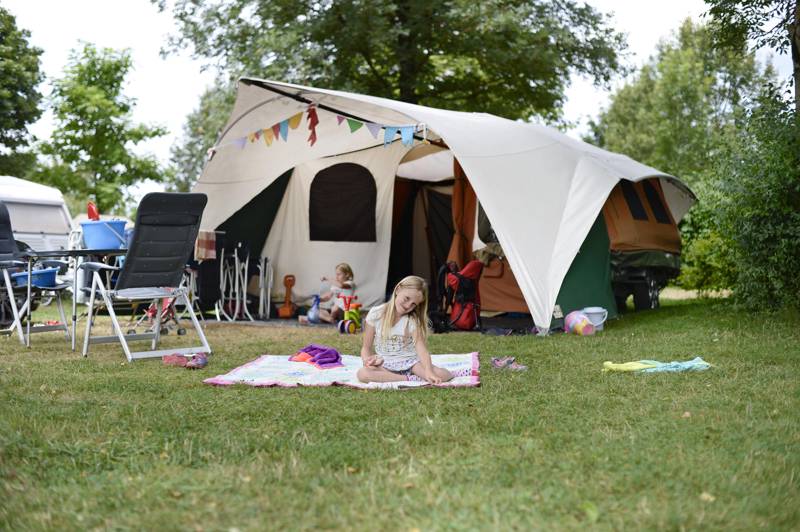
(277, 370)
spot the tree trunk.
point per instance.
(794, 39)
(408, 68)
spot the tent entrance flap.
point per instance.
(422, 230)
(588, 280)
(251, 224)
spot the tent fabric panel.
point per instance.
(464, 204)
(251, 224)
(678, 197)
(499, 289)
(292, 252)
(238, 172)
(588, 280)
(629, 234)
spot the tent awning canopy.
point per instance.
(541, 189)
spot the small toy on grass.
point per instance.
(577, 322)
(288, 309)
(351, 323)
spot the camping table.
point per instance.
(33, 255)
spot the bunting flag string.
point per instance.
(390, 132)
(280, 130)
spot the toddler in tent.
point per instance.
(341, 284)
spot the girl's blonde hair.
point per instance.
(346, 269)
(419, 314)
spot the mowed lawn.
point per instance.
(99, 443)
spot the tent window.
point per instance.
(633, 201)
(659, 211)
(341, 206)
(485, 231)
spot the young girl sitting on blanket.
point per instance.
(395, 337)
(342, 283)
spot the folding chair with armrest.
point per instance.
(12, 258)
(163, 241)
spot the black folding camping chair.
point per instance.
(163, 241)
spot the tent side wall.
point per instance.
(587, 283)
(638, 219)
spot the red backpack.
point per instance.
(462, 295)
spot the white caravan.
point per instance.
(39, 215)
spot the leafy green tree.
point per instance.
(677, 115)
(200, 131)
(771, 23)
(513, 58)
(20, 76)
(90, 152)
(676, 110)
(758, 203)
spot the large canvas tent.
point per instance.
(309, 174)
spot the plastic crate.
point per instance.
(44, 278)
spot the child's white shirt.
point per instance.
(398, 351)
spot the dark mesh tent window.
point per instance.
(633, 201)
(485, 231)
(342, 204)
(659, 211)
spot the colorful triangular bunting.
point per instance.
(388, 135)
(354, 125)
(294, 121)
(374, 129)
(407, 135)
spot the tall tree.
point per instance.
(90, 151)
(20, 76)
(508, 57)
(757, 205)
(771, 23)
(673, 113)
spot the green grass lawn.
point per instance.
(100, 443)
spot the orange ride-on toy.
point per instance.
(351, 323)
(288, 309)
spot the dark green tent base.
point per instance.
(588, 281)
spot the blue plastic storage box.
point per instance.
(44, 278)
(104, 234)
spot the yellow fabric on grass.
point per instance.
(626, 366)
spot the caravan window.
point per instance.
(342, 204)
(38, 218)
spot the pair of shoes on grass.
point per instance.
(507, 363)
(198, 361)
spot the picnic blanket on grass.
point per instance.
(276, 370)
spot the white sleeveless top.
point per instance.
(398, 351)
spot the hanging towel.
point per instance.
(205, 248)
